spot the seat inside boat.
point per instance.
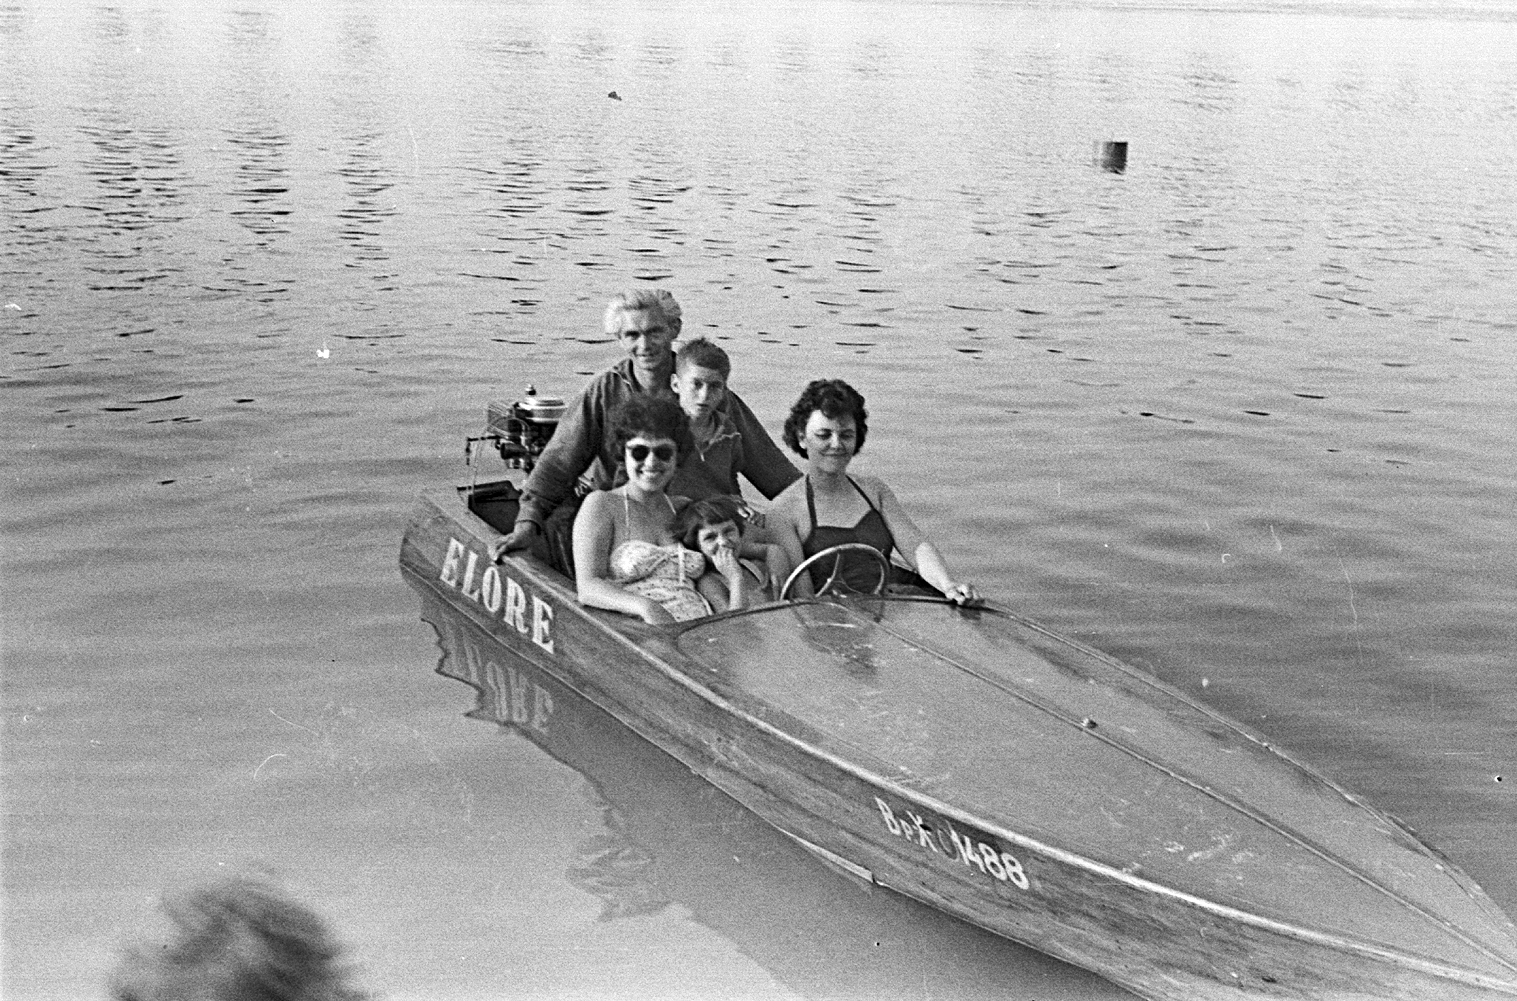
(497, 502)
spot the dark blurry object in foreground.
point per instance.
(237, 939)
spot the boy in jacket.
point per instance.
(645, 322)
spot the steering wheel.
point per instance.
(837, 552)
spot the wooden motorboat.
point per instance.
(978, 762)
(668, 837)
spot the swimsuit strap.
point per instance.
(861, 492)
(700, 566)
(627, 509)
(811, 500)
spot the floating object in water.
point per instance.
(614, 96)
(1111, 156)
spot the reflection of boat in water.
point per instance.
(974, 761)
(670, 837)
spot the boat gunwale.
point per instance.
(451, 503)
(1444, 864)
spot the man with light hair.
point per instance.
(579, 457)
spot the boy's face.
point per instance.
(700, 390)
(711, 538)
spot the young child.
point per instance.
(714, 528)
(699, 381)
(701, 371)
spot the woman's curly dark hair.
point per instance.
(648, 416)
(834, 398)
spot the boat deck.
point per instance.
(1059, 745)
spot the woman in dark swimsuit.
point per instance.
(828, 507)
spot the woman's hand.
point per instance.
(961, 594)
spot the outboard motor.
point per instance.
(520, 430)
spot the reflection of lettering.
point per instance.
(972, 851)
(511, 695)
(460, 571)
(542, 707)
(520, 699)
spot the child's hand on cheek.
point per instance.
(725, 560)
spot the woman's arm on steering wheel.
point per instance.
(916, 548)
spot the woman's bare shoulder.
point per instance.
(596, 504)
(789, 500)
(874, 488)
(596, 498)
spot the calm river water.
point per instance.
(1243, 415)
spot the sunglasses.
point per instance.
(663, 453)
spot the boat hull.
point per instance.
(877, 818)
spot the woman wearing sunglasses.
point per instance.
(626, 554)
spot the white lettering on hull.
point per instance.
(489, 590)
(516, 606)
(470, 587)
(973, 852)
(461, 571)
(542, 622)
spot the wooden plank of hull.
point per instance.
(1331, 864)
(1223, 952)
(1157, 942)
(676, 838)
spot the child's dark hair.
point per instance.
(707, 513)
(705, 354)
(645, 415)
(834, 398)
